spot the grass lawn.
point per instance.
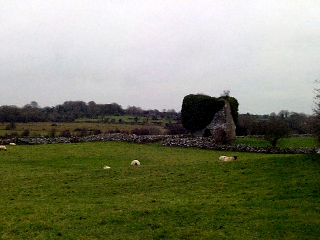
(282, 143)
(60, 191)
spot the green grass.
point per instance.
(44, 128)
(283, 143)
(61, 192)
(127, 119)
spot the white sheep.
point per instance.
(135, 163)
(3, 148)
(106, 167)
(12, 144)
(228, 159)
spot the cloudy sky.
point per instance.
(151, 54)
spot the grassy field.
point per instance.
(127, 119)
(283, 143)
(44, 128)
(60, 191)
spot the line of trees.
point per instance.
(71, 110)
(247, 124)
(297, 123)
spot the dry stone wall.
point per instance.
(92, 138)
(167, 140)
(209, 143)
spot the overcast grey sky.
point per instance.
(151, 54)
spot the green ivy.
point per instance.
(198, 111)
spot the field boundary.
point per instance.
(207, 143)
(167, 140)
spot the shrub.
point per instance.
(13, 135)
(174, 129)
(25, 133)
(65, 133)
(154, 131)
(80, 132)
(275, 129)
(52, 132)
(11, 126)
(96, 131)
(140, 131)
(114, 131)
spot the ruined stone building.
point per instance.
(222, 127)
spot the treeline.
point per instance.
(71, 110)
(247, 124)
(296, 123)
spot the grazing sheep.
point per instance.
(228, 159)
(106, 167)
(12, 144)
(135, 163)
(3, 148)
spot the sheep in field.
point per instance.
(135, 163)
(12, 144)
(106, 167)
(3, 148)
(228, 159)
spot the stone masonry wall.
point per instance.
(167, 140)
(209, 143)
(222, 126)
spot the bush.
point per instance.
(65, 133)
(11, 126)
(114, 131)
(175, 129)
(96, 131)
(52, 132)
(82, 132)
(25, 133)
(12, 135)
(140, 131)
(275, 129)
(154, 131)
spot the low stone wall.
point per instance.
(207, 143)
(92, 138)
(167, 140)
(262, 136)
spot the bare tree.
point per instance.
(276, 129)
(316, 111)
(226, 93)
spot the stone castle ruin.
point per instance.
(222, 127)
